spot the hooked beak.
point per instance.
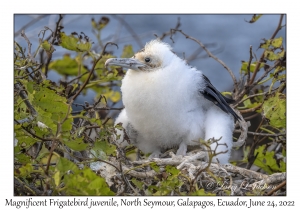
(130, 63)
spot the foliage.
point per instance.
(46, 128)
(266, 161)
(58, 138)
(265, 94)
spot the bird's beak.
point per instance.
(130, 63)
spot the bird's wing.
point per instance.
(213, 95)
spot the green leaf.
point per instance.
(73, 43)
(172, 170)
(76, 144)
(47, 47)
(51, 107)
(270, 55)
(30, 87)
(254, 18)
(244, 67)
(168, 184)
(114, 96)
(104, 146)
(79, 182)
(21, 157)
(137, 183)
(246, 152)
(25, 141)
(247, 103)
(25, 170)
(274, 109)
(283, 152)
(155, 167)
(57, 178)
(66, 66)
(201, 192)
(266, 161)
(100, 24)
(266, 44)
(85, 182)
(64, 165)
(277, 42)
(43, 153)
(127, 52)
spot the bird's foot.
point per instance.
(155, 154)
(182, 149)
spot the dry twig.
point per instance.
(210, 55)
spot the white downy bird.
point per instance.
(169, 103)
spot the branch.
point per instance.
(28, 42)
(244, 129)
(263, 54)
(143, 175)
(249, 64)
(78, 77)
(213, 167)
(28, 190)
(127, 26)
(252, 116)
(252, 96)
(210, 55)
(56, 28)
(32, 134)
(281, 185)
(28, 24)
(273, 178)
(33, 71)
(266, 72)
(195, 54)
(251, 109)
(262, 134)
(55, 143)
(24, 96)
(170, 32)
(248, 87)
(92, 71)
(52, 42)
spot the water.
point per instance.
(229, 36)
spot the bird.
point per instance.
(170, 104)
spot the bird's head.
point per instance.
(153, 56)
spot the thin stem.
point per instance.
(211, 55)
(257, 67)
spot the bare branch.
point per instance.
(262, 134)
(244, 129)
(76, 78)
(282, 184)
(249, 64)
(26, 188)
(29, 24)
(211, 55)
(29, 44)
(127, 26)
(213, 167)
(251, 109)
(33, 71)
(178, 24)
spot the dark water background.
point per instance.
(227, 36)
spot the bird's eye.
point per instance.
(147, 60)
